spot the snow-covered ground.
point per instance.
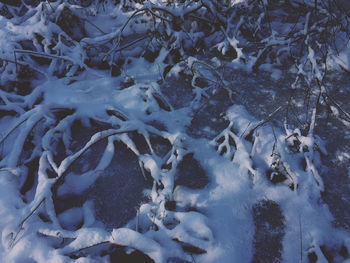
(214, 198)
(208, 162)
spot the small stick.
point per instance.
(138, 219)
(95, 26)
(301, 240)
(131, 43)
(153, 222)
(94, 245)
(14, 54)
(39, 54)
(21, 64)
(12, 130)
(24, 220)
(275, 138)
(250, 134)
(246, 128)
(337, 105)
(206, 102)
(193, 258)
(48, 1)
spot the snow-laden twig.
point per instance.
(20, 226)
(68, 161)
(44, 55)
(268, 119)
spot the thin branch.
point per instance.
(246, 128)
(15, 61)
(13, 129)
(24, 220)
(301, 240)
(160, 17)
(95, 26)
(268, 119)
(161, 9)
(206, 102)
(70, 160)
(347, 115)
(131, 43)
(274, 137)
(193, 258)
(48, 1)
(91, 246)
(44, 55)
(131, 17)
(14, 54)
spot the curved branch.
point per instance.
(68, 161)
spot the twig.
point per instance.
(207, 66)
(48, 1)
(137, 219)
(193, 258)
(20, 63)
(267, 16)
(161, 17)
(154, 222)
(14, 54)
(337, 105)
(12, 130)
(219, 82)
(77, 155)
(95, 26)
(275, 139)
(146, 9)
(25, 133)
(301, 240)
(131, 43)
(206, 102)
(24, 220)
(293, 134)
(161, 9)
(246, 128)
(94, 245)
(39, 54)
(289, 175)
(131, 17)
(16, 62)
(250, 134)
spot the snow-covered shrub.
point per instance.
(96, 95)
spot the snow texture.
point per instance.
(170, 160)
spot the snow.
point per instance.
(128, 237)
(65, 191)
(71, 218)
(223, 225)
